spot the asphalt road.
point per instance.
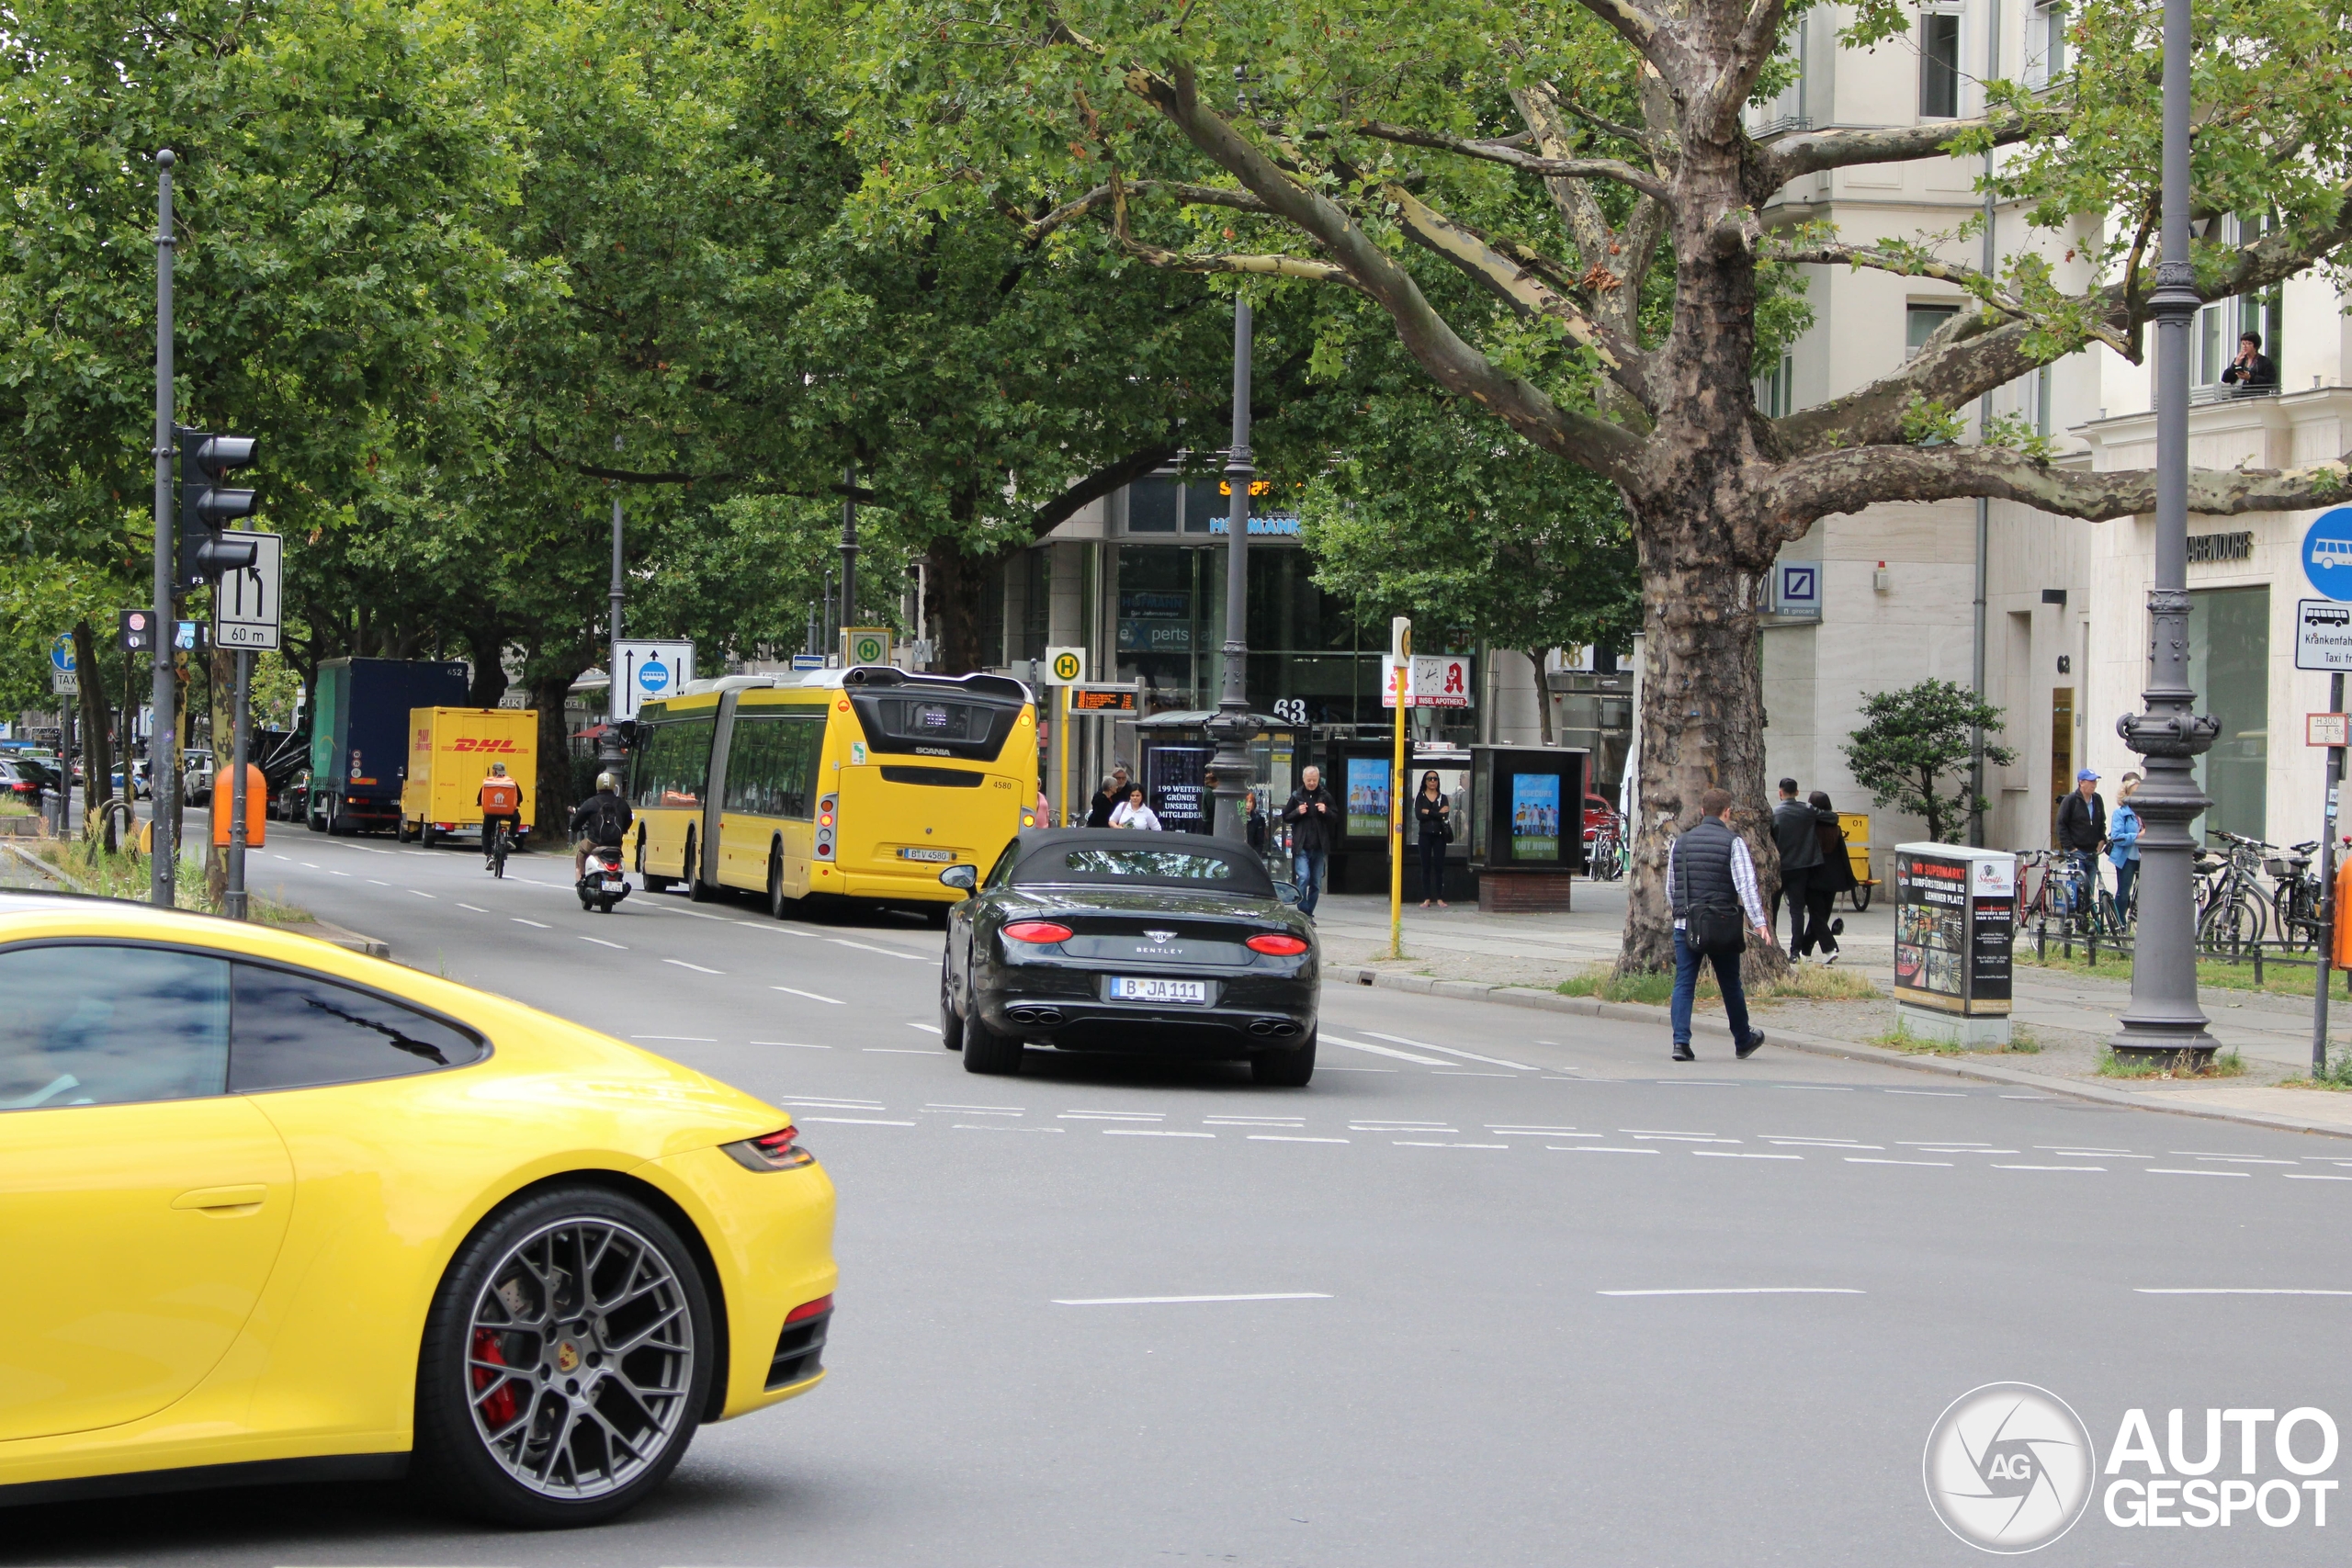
(1497, 1286)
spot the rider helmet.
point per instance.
(498, 770)
(606, 783)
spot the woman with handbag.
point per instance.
(1430, 813)
(1833, 876)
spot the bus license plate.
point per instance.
(1125, 989)
(927, 854)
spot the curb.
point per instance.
(1813, 1044)
(319, 930)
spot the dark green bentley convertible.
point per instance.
(1116, 940)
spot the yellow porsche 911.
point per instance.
(271, 1210)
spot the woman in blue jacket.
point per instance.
(2123, 845)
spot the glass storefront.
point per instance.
(2229, 666)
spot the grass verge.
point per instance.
(2278, 980)
(1811, 983)
(2224, 1065)
(11, 807)
(124, 875)
(2337, 1077)
(2021, 1044)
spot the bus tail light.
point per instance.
(826, 810)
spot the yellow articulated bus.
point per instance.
(863, 784)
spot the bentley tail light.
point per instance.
(1276, 942)
(1038, 931)
(778, 1150)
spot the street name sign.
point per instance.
(2323, 634)
(246, 612)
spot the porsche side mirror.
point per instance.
(963, 877)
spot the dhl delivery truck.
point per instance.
(450, 754)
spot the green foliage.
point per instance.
(2015, 432)
(1911, 740)
(1927, 422)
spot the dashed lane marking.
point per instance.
(1449, 1051)
(857, 1121)
(422, 894)
(891, 1051)
(475, 907)
(696, 968)
(1183, 1301)
(1742, 1291)
(885, 951)
(600, 941)
(1864, 1160)
(1738, 1154)
(795, 991)
(1300, 1138)
(688, 1039)
(1596, 1149)
(2168, 1170)
(1385, 1051)
(789, 1044)
(1152, 1132)
(1997, 1166)
(926, 1028)
(521, 922)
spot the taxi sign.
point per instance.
(1065, 666)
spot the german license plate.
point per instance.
(1127, 989)
(615, 885)
(927, 854)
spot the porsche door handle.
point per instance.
(224, 1203)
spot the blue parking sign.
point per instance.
(2327, 553)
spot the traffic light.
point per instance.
(207, 506)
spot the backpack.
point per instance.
(609, 825)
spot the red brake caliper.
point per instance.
(499, 1409)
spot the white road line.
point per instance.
(275, 855)
(1297, 1138)
(1941, 1144)
(1151, 1132)
(1253, 1121)
(2076, 1149)
(1334, 1067)
(769, 925)
(2168, 1170)
(991, 1110)
(1111, 1116)
(1680, 1138)
(697, 914)
(1457, 1072)
(475, 907)
(1596, 1149)
(424, 894)
(1664, 1133)
(827, 1103)
(1179, 1301)
(891, 1051)
(1516, 1129)
(2025, 1097)
(1700, 1083)
(1385, 1051)
(1449, 1051)
(857, 1121)
(2001, 1167)
(2309, 1176)
(690, 1039)
(795, 991)
(333, 872)
(926, 1028)
(1818, 1143)
(1941, 1149)
(794, 1044)
(1744, 1291)
(373, 882)
(696, 968)
(1938, 1093)
(977, 1127)
(2243, 1159)
(521, 922)
(312, 864)
(1864, 1160)
(2226, 1290)
(600, 941)
(1828, 1087)
(885, 951)
(1737, 1154)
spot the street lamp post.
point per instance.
(849, 549)
(610, 750)
(1233, 728)
(2164, 1021)
(163, 770)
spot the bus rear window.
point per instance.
(949, 724)
(933, 719)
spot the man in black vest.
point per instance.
(1708, 868)
(1796, 833)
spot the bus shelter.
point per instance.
(1527, 807)
(1174, 766)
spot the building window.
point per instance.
(1204, 503)
(2042, 379)
(1919, 324)
(1939, 65)
(2045, 45)
(1776, 394)
(2229, 657)
(1151, 506)
(1786, 111)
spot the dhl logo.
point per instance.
(465, 743)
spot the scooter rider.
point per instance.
(604, 818)
(500, 799)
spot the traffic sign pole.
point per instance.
(165, 777)
(232, 903)
(1401, 640)
(1062, 743)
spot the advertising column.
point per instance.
(1955, 918)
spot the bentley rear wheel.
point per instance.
(1284, 1069)
(566, 1362)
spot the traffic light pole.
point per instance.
(232, 903)
(160, 742)
(611, 753)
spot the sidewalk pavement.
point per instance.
(2062, 1017)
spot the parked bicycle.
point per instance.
(1608, 855)
(2295, 901)
(2235, 910)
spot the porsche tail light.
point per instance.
(778, 1150)
(806, 1310)
(1280, 944)
(1038, 931)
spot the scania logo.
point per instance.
(2008, 1467)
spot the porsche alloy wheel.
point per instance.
(567, 1363)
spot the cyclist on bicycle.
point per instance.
(500, 799)
(603, 819)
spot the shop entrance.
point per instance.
(2062, 750)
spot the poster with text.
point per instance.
(1535, 816)
(1367, 797)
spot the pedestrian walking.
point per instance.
(1432, 818)
(2082, 830)
(1312, 832)
(1833, 876)
(1133, 812)
(1710, 889)
(1254, 817)
(1795, 834)
(2123, 845)
(1107, 799)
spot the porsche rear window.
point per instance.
(1144, 864)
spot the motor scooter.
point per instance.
(603, 884)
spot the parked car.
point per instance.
(196, 770)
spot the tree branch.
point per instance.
(1526, 162)
(1979, 286)
(630, 476)
(1033, 230)
(1848, 480)
(1794, 155)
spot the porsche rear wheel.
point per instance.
(566, 1362)
(951, 1026)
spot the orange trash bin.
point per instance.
(257, 808)
(2342, 955)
